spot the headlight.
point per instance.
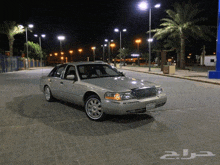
(119, 96)
(159, 90)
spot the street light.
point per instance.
(61, 38)
(71, 55)
(80, 50)
(109, 52)
(144, 6)
(43, 36)
(29, 26)
(117, 30)
(93, 48)
(112, 45)
(104, 45)
(138, 41)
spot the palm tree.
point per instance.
(182, 22)
(10, 28)
(174, 44)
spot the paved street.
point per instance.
(35, 132)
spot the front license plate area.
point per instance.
(150, 106)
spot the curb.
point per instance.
(174, 76)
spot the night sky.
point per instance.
(88, 23)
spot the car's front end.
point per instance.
(138, 100)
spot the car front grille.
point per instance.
(144, 93)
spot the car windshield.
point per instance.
(90, 71)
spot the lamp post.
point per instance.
(62, 57)
(29, 26)
(93, 48)
(109, 52)
(80, 51)
(103, 55)
(61, 38)
(71, 55)
(43, 36)
(144, 6)
(112, 45)
(117, 30)
(138, 41)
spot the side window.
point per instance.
(70, 73)
(52, 72)
(59, 70)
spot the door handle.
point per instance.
(61, 82)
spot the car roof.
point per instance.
(86, 62)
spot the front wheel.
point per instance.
(94, 109)
(47, 94)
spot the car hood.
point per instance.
(119, 84)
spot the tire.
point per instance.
(93, 108)
(47, 94)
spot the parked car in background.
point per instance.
(101, 89)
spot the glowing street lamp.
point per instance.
(144, 6)
(71, 54)
(109, 52)
(138, 41)
(80, 50)
(61, 38)
(117, 30)
(112, 45)
(103, 56)
(93, 48)
(55, 54)
(29, 26)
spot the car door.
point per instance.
(69, 85)
(55, 80)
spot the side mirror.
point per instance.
(70, 77)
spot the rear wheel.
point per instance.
(94, 109)
(47, 94)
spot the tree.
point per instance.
(174, 44)
(181, 23)
(35, 50)
(146, 56)
(10, 28)
(123, 53)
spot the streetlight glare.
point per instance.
(112, 44)
(143, 5)
(150, 40)
(138, 41)
(43, 35)
(21, 26)
(124, 30)
(35, 35)
(106, 40)
(30, 25)
(157, 5)
(61, 37)
(116, 30)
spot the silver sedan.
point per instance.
(101, 89)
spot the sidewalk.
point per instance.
(183, 74)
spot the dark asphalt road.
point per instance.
(33, 131)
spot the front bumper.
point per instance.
(133, 106)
